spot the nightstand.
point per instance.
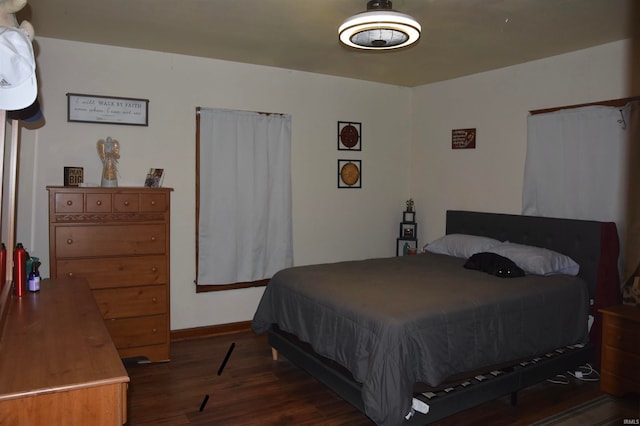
(620, 350)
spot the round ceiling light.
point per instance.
(379, 28)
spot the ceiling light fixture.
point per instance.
(379, 28)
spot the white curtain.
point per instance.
(575, 165)
(244, 230)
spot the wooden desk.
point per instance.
(58, 364)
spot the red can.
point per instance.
(19, 270)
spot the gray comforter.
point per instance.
(394, 322)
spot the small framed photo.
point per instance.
(408, 230)
(349, 136)
(409, 216)
(73, 176)
(349, 174)
(412, 245)
(154, 178)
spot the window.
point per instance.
(243, 198)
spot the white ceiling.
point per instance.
(460, 37)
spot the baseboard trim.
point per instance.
(210, 331)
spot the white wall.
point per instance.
(403, 130)
(496, 103)
(328, 223)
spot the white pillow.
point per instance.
(537, 260)
(461, 245)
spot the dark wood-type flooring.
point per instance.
(251, 389)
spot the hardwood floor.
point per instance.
(251, 389)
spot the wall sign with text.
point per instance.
(73, 176)
(463, 139)
(107, 110)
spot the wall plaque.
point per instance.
(107, 110)
(463, 139)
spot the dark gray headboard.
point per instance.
(578, 239)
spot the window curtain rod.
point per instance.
(612, 103)
(257, 112)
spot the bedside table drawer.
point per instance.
(622, 334)
(93, 241)
(113, 272)
(142, 331)
(622, 364)
(131, 301)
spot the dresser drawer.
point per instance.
(153, 203)
(132, 301)
(125, 202)
(109, 240)
(622, 334)
(132, 332)
(98, 203)
(111, 272)
(68, 202)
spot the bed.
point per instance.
(412, 339)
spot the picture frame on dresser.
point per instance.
(73, 176)
(154, 178)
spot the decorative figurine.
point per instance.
(410, 205)
(109, 152)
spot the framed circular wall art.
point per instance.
(349, 174)
(349, 136)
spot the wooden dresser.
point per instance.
(118, 240)
(58, 365)
(620, 350)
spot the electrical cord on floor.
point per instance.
(585, 373)
(559, 379)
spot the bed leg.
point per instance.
(274, 354)
(514, 398)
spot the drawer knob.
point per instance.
(153, 238)
(154, 269)
(69, 241)
(154, 299)
(126, 203)
(69, 202)
(153, 203)
(70, 274)
(154, 330)
(99, 202)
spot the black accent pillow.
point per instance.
(494, 264)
